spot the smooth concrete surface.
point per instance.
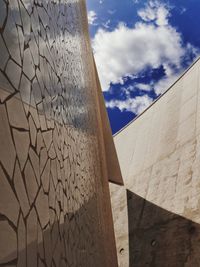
(112, 163)
(159, 155)
(55, 205)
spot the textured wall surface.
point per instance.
(54, 196)
(159, 155)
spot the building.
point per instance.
(156, 213)
(57, 154)
(56, 147)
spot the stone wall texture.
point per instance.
(54, 196)
(157, 212)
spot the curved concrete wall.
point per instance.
(54, 196)
(159, 155)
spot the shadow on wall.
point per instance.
(72, 242)
(159, 238)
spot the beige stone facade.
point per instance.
(157, 213)
(54, 162)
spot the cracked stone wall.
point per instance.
(156, 214)
(54, 198)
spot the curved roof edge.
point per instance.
(157, 99)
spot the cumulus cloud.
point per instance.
(92, 17)
(136, 105)
(154, 11)
(152, 42)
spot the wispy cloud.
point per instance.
(111, 12)
(106, 24)
(143, 86)
(136, 105)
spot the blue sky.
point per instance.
(141, 47)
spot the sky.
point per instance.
(140, 48)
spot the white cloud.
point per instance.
(150, 43)
(143, 86)
(162, 85)
(155, 11)
(136, 105)
(92, 17)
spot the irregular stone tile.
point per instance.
(29, 6)
(10, 35)
(47, 247)
(31, 183)
(52, 216)
(58, 170)
(8, 244)
(34, 50)
(21, 41)
(3, 95)
(49, 125)
(40, 242)
(9, 205)
(21, 237)
(3, 53)
(40, 78)
(42, 118)
(45, 177)
(32, 239)
(47, 136)
(25, 91)
(42, 207)
(57, 208)
(8, 154)
(13, 5)
(52, 194)
(51, 152)
(57, 252)
(16, 113)
(43, 123)
(35, 22)
(28, 65)
(34, 114)
(43, 159)
(40, 142)
(3, 13)
(20, 190)
(61, 223)
(13, 72)
(36, 91)
(54, 172)
(35, 163)
(6, 85)
(25, 21)
(22, 143)
(33, 131)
